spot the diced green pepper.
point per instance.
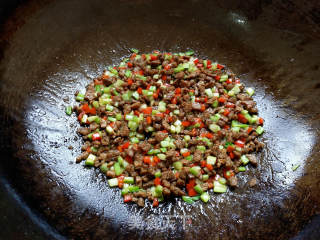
(117, 168)
(219, 188)
(177, 165)
(195, 171)
(134, 50)
(90, 160)
(214, 127)
(244, 159)
(205, 197)
(113, 182)
(187, 199)
(104, 167)
(242, 169)
(95, 104)
(198, 189)
(69, 110)
(129, 180)
(80, 97)
(260, 130)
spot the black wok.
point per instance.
(50, 49)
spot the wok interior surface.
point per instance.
(61, 47)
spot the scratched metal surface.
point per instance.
(64, 45)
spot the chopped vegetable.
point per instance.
(168, 124)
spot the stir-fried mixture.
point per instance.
(161, 125)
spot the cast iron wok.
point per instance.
(57, 47)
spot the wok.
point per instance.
(50, 49)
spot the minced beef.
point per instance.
(162, 124)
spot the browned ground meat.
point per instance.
(162, 125)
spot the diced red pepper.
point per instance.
(241, 118)
(230, 148)
(186, 154)
(164, 77)
(219, 66)
(155, 202)
(160, 115)
(130, 65)
(192, 192)
(230, 105)
(203, 108)
(228, 174)
(209, 166)
(147, 159)
(120, 149)
(139, 90)
(260, 121)
(186, 123)
(125, 145)
(157, 181)
(153, 57)
(147, 110)
(191, 183)
(226, 112)
(167, 111)
(85, 107)
(130, 81)
(136, 112)
(149, 120)
(174, 100)
(209, 135)
(156, 94)
(80, 116)
(176, 174)
(229, 81)
(96, 136)
(203, 163)
(226, 127)
(133, 55)
(167, 67)
(127, 198)
(249, 130)
(231, 155)
(196, 61)
(170, 119)
(205, 99)
(156, 159)
(177, 91)
(129, 159)
(217, 77)
(221, 99)
(140, 72)
(239, 143)
(120, 181)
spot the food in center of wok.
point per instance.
(162, 124)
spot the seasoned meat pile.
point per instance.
(162, 124)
